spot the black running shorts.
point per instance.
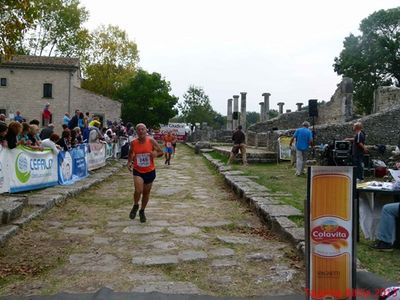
(147, 177)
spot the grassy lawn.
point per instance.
(280, 178)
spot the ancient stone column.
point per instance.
(299, 105)
(229, 116)
(281, 104)
(261, 111)
(235, 121)
(266, 106)
(243, 109)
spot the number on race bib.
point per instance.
(143, 160)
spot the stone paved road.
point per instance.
(199, 239)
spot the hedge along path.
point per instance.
(198, 239)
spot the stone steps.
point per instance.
(253, 155)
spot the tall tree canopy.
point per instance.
(196, 108)
(146, 99)
(110, 61)
(57, 29)
(15, 17)
(373, 58)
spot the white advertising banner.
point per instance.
(31, 169)
(96, 157)
(4, 171)
(284, 147)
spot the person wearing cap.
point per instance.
(95, 134)
(304, 139)
(46, 115)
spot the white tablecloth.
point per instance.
(370, 206)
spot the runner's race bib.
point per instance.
(169, 145)
(143, 159)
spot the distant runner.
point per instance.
(168, 148)
(141, 156)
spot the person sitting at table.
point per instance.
(387, 227)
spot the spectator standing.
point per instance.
(14, 130)
(47, 132)
(51, 143)
(358, 149)
(18, 117)
(46, 115)
(3, 133)
(81, 121)
(66, 119)
(65, 141)
(2, 117)
(239, 140)
(304, 139)
(74, 120)
(33, 142)
(95, 133)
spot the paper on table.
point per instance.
(395, 174)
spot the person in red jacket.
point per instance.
(46, 115)
(141, 156)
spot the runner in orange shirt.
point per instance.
(141, 156)
(168, 148)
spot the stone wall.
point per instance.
(380, 128)
(85, 100)
(212, 135)
(337, 110)
(24, 92)
(386, 98)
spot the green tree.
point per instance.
(16, 16)
(57, 29)
(373, 58)
(110, 61)
(272, 113)
(146, 99)
(196, 107)
(252, 117)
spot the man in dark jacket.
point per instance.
(74, 120)
(239, 140)
(47, 132)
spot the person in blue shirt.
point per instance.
(304, 140)
(18, 117)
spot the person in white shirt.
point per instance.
(51, 143)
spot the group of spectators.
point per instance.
(81, 128)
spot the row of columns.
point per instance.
(233, 117)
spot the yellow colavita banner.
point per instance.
(331, 198)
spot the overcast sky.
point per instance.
(226, 47)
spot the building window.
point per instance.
(47, 90)
(3, 81)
